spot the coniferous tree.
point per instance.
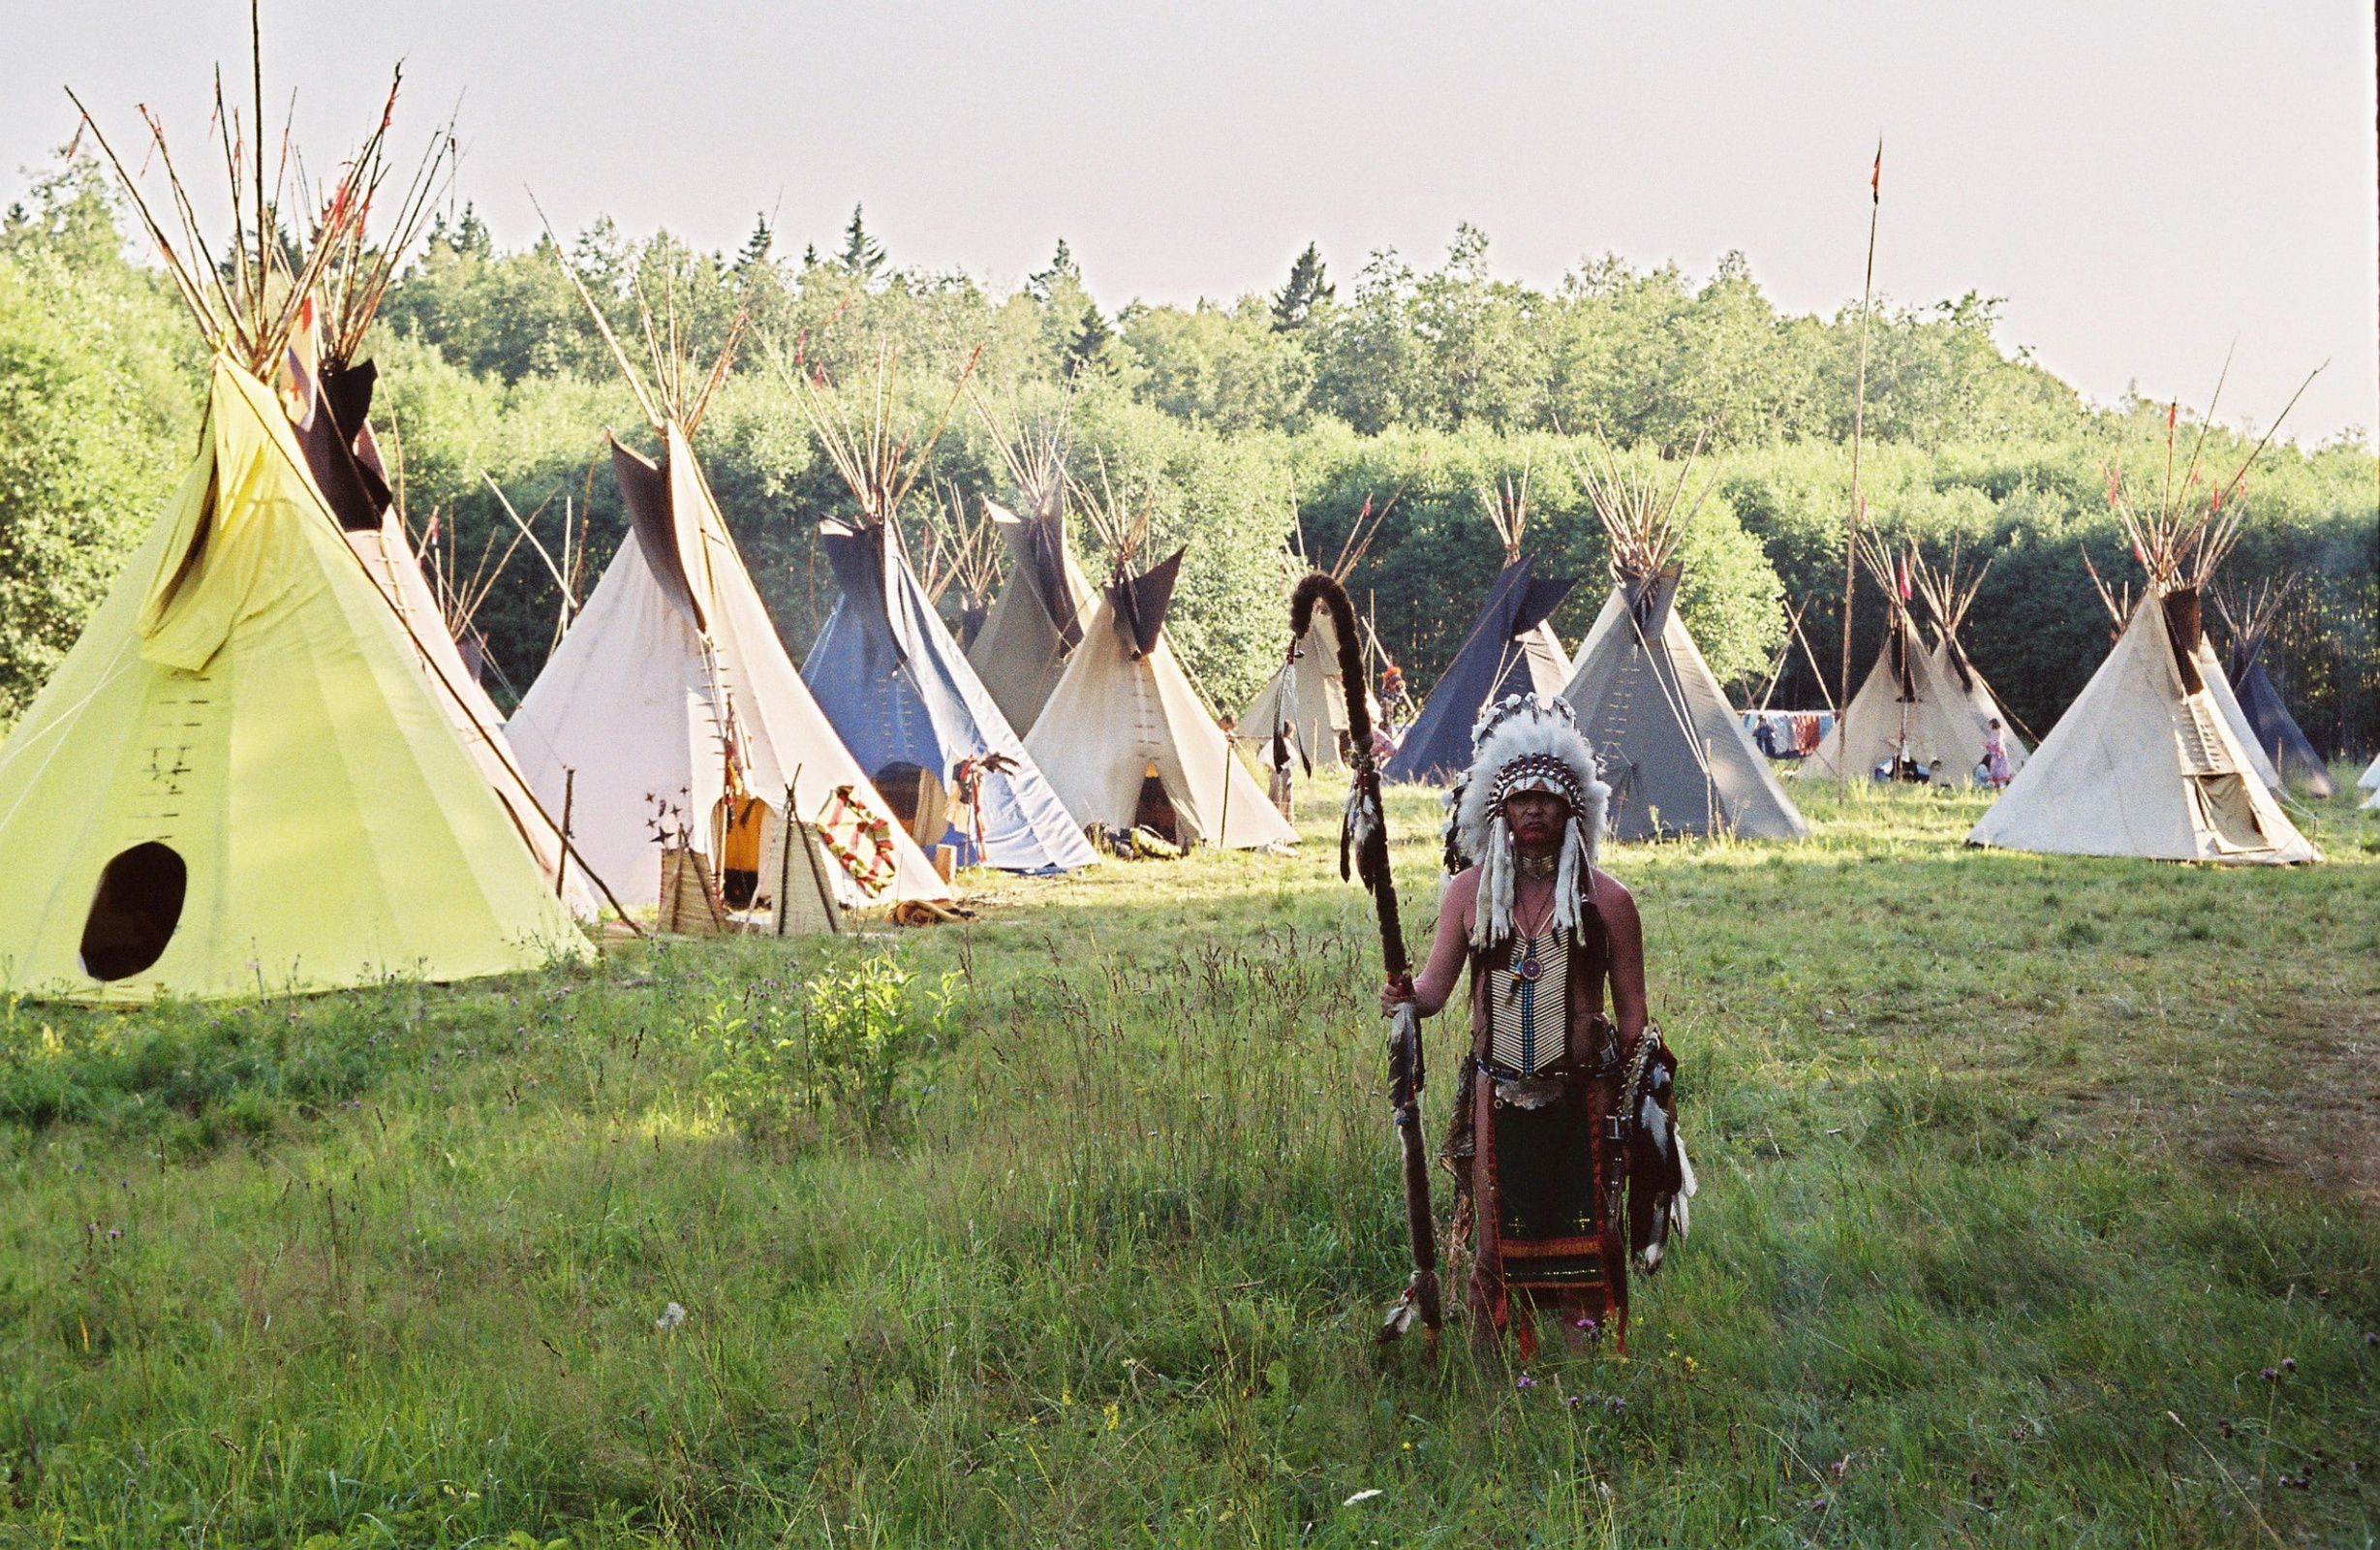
(756, 246)
(1062, 270)
(863, 254)
(1089, 348)
(1306, 291)
(467, 235)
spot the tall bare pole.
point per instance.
(255, 71)
(1859, 428)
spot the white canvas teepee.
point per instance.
(1674, 753)
(1306, 693)
(1906, 714)
(1127, 741)
(1950, 598)
(672, 687)
(2143, 764)
(2226, 702)
(2121, 608)
(670, 706)
(2149, 760)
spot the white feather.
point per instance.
(1568, 895)
(1687, 1185)
(1360, 818)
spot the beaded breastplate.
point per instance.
(1530, 1004)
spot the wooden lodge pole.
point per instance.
(1859, 428)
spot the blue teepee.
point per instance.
(1510, 651)
(899, 691)
(2278, 732)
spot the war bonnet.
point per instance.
(1524, 743)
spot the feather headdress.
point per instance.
(1524, 743)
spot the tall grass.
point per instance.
(2020, 1174)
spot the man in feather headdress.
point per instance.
(1564, 1144)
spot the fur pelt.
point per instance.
(1541, 734)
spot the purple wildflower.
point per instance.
(1524, 1381)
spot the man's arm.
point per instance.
(1437, 979)
(1627, 934)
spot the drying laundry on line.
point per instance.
(1788, 733)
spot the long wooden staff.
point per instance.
(1363, 839)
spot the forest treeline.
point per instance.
(1252, 429)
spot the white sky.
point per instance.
(2145, 183)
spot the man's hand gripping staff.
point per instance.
(1363, 849)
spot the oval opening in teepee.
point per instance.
(135, 912)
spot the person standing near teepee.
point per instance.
(1281, 755)
(1996, 772)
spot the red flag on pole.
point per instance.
(1876, 177)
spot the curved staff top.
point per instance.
(890, 675)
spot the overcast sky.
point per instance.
(2144, 183)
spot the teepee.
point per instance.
(2121, 604)
(1304, 693)
(2144, 761)
(2369, 781)
(2277, 733)
(895, 684)
(1037, 620)
(1127, 741)
(669, 721)
(1511, 649)
(241, 780)
(1673, 750)
(1950, 598)
(1907, 715)
(344, 456)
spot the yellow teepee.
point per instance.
(240, 778)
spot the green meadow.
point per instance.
(2039, 1207)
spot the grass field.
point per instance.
(2041, 1205)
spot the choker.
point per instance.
(1537, 866)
